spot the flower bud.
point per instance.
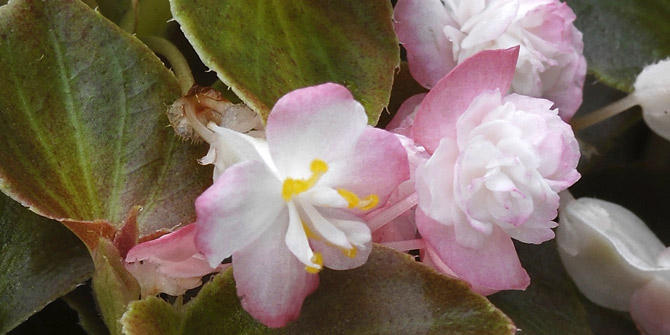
(608, 251)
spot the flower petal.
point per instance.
(435, 183)
(419, 24)
(296, 238)
(232, 147)
(356, 232)
(437, 115)
(176, 246)
(650, 307)
(377, 165)
(404, 118)
(318, 122)
(271, 283)
(494, 266)
(236, 209)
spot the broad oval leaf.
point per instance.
(265, 49)
(622, 36)
(40, 260)
(390, 294)
(82, 120)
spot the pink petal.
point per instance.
(431, 258)
(195, 266)
(494, 266)
(650, 307)
(437, 115)
(176, 246)
(435, 183)
(241, 204)
(318, 122)
(271, 283)
(404, 118)
(378, 165)
(419, 24)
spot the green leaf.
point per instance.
(264, 49)
(40, 260)
(114, 287)
(551, 304)
(390, 294)
(82, 120)
(621, 37)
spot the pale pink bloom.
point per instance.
(438, 36)
(169, 264)
(296, 207)
(497, 163)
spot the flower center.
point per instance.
(293, 187)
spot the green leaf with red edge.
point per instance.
(390, 294)
(265, 49)
(40, 260)
(82, 121)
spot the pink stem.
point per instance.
(380, 219)
(406, 245)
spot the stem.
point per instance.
(176, 59)
(199, 128)
(129, 20)
(380, 219)
(406, 245)
(604, 113)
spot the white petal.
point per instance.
(607, 250)
(296, 239)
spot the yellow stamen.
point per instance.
(293, 187)
(309, 233)
(317, 259)
(349, 196)
(354, 201)
(369, 202)
(351, 253)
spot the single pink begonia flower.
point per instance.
(438, 35)
(497, 164)
(297, 207)
(169, 264)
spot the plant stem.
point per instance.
(604, 113)
(380, 219)
(176, 59)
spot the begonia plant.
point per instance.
(334, 167)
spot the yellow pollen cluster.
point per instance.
(293, 187)
(354, 201)
(317, 259)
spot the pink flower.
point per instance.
(439, 36)
(170, 264)
(497, 163)
(296, 206)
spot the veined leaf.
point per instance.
(390, 294)
(265, 49)
(82, 120)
